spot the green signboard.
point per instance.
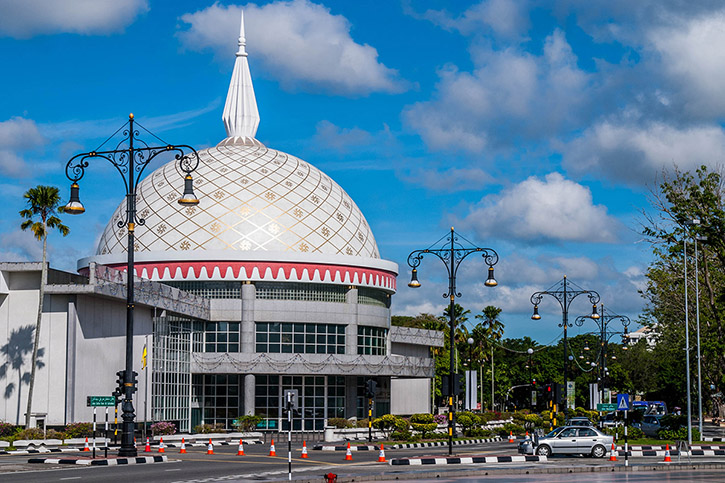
(100, 401)
(607, 407)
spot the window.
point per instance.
(371, 296)
(211, 290)
(371, 340)
(315, 292)
(587, 433)
(220, 397)
(221, 337)
(298, 338)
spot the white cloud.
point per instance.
(17, 134)
(550, 209)
(26, 18)
(505, 18)
(340, 139)
(505, 98)
(691, 52)
(449, 180)
(301, 44)
(633, 153)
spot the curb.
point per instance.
(445, 443)
(468, 460)
(102, 462)
(710, 438)
(320, 447)
(39, 451)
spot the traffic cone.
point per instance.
(667, 454)
(134, 442)
(527, 435)
(148, 446)
(272, 451)
(348, 455)
(511, 437)
(210, 448)
(240, 451)
(161, 446)
(304, 449)
(183, 447)
(381, 456)
(613, 453)
(85, 446)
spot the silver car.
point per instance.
(587, 441)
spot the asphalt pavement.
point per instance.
(256, 465)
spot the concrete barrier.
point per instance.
(37, 443)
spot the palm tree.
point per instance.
(43, 202)
(485, 334)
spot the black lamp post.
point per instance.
(452, 253)
(564, 292)
(130, 161)
(604, 336)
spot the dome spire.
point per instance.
(241, 117)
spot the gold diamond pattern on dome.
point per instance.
(251, 198)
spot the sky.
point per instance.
(536, 128)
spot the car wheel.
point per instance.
(599, 451)
(543, 450)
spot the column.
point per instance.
(249, 393)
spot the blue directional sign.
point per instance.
(623, 402)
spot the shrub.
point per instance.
(362, 423)
(7, 429)
(340, 423)
(30, 433)
(618, 432)
(440, 418)
(511, 428)
(534, 420)
(423, 423)
(519, 417)
(208, 428)
(389, 422)
(163, 428)
(248, 422)
(678, 434)
(78, 430)
(401, 435)
(482, 433)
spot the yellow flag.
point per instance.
(143, 358)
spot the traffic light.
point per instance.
(134, 381)
(559, 395)
(371, 388)
(457, 384)
(549, 393)
(119, 392)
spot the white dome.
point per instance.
(251, 199)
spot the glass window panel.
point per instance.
(274, 348)
(233, 347)
(234, 337)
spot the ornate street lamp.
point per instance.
(452, 253)
(564, 294)
(605, 335)
(130, 161)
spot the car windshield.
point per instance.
(554, 432)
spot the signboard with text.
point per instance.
(103, 401)
(606, 407)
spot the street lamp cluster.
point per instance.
(130, 160)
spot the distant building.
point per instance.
(643, 333)
(274, 281)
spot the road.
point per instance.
(197, 467)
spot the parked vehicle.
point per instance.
(650, 425)
(584, 440)
(611, 420)
(654, 408)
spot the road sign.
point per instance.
(623, 402)
(606, 407)
(108, 401)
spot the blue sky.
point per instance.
(536, 128)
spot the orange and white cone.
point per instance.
(210, 448)
(134, 442)
(148, 446)
(183, 447)
(667, 454)
(272, 451)
(161, 446)
(348, 454)
(381, 456)
(527, 435)
(511, 437)
(240, 450)
(85, 446)
(613, 453)
(304, 449)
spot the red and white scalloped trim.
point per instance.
(263, 271)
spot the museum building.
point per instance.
(272, 282)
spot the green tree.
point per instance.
(39, 216)
(681, 198)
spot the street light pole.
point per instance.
(602, 322)
(130, 161)
(452, 253)
(562, 292)
(687, 353)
